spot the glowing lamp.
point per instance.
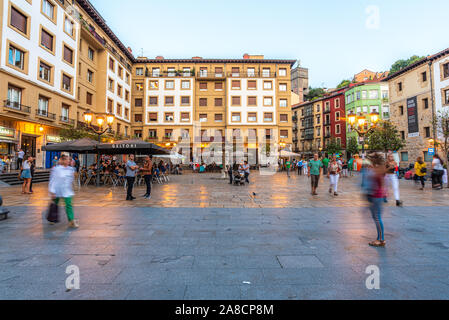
(374, 117)
(110, 119)
(352, 118)
(100, 121)
(88, 117)
(361, 120)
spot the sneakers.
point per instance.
(399, 203)
(148, 197)
(74, 224)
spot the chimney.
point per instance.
(130, 50)
(197, 58)
(246, 56)
(159, 58)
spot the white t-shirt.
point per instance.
(437, 164)
(26, 165)
(21, 154)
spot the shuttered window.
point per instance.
(218, 117)
(235, 101)
(252, 85)
(47, 40)
(66, 82)
(152, 116)
(252, 101)
(218, 102)
(203, 85)
(203, 102)
(68, 55)
(18, 20)
(284, 117)
(185, 116)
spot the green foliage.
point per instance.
(333, 147)
(352, 146)
(344, 83)
(385, 137)
(314, 93)
(401, 64)
(70, 134)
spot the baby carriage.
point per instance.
(239, 178)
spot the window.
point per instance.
(139, 71)
(219, 86)
(268, 117)
(283, 103)
(126, 113)
(127, 77)
(65, 112)
(138, 118)
(111, 64)
(68, 26)
(404, 156)
(252, 85)
(268, 101)
(168, 133)
(203, 72)
(48, 9)
(268, 133)
(111, 85)
(252, 117)
(185, 117)
(337, 116)
(16, 57)
(138, 102)
(185, 84)
(89, 98)
(282, 72)
(337, 103)
(154, 85)
(203, 85)
(152, 117)
(385, 95)
(156, 72)
(120, 71)
(153, 101)
(110, 106)
(266, 72)
(68, 55)
(235, 101)
(218, 72)
(400, 86)
(66, 83)
(44, 72)
(401, 110)
(446, 96)
(203, 102)
(235, 84)
(185, 100)
(119, 109)
(425, 102)
(171, 72)
(235, 117)
(446, 70)
(90, 76)
(138, 133)
(268, 85)
(427, 130)
(235, 71)
(283, 87)
(14, 97)
(403, 135)
(283, 117)
(152, 133)
(90, 54)
(251, 72)
(424, 76)
(218, 117)
(203, 117)
(169, 117)
(42, 108)
(337, 129)
(47, 40)
(187, 72)
(284, 134)
(357, 95)
(252, 101)
(169, 85)
(169, 100)
(374, 94)
(218, 102)
(19, 21)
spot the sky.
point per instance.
(333, 39)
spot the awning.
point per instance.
(132, 147)
(2, 140)
(76, 146)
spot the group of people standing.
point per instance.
(438, 174)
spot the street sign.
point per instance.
(431, 151)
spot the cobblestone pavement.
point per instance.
(149, 250)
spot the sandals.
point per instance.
(378, 244)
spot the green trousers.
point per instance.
(68, 207)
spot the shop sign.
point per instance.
(54, 139)
(7, 132)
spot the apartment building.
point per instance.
(334, 118)
(38, 74)
(201, 102)
(306, 127)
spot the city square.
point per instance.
(201, 238)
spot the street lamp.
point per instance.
(362, 126)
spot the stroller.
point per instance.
(239, 178)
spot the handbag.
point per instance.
(53, 213)
(424, 170)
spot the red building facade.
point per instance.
(334, 118)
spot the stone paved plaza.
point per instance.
(200, 238)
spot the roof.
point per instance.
(247, 61)
(406, 69)
(93, 13)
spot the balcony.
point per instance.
(327, 110)
(295, 118)
(210, 75)
(252, 74)
(91, 29)
(45, 114)
(295, 129)
(16, 107)
(67, 121)
(169, 74)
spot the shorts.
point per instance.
(314, 180)
(26, 174)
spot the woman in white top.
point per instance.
(437, 172)
(26, 175)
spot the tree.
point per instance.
(333, 147)
(353, 146)
(344, 83)
(314, 93)
(441, 125)
(70, 134)
(401, 64)
(385, 137)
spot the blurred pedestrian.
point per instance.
(131, 169)
(146, 171)
(334, 170)
(420, 172)
(392, 178)
(437, 172)
(26, 175)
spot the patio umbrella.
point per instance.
(131, 147)
(288, 154)
(76, 146)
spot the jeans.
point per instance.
(68, 207)
(19, 163)
(376, 213)
(247, 177)
(129, 192)
(148, 179)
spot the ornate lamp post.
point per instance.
(359, 124)
(102, 119)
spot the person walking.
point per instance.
(299, 165)
(305, 166)
(316, 167)
(20, 157)
(147, 174)
(376, 197)
(437, 172)
(325, 161)
(288, 166)
(246, 169)
(131, 169)
(32, 171)
(344, 169)
(351, 165)
(392, 178)
(26, 175)
(420, 172)
(230, 174)
(334, 170)
(61, 187)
